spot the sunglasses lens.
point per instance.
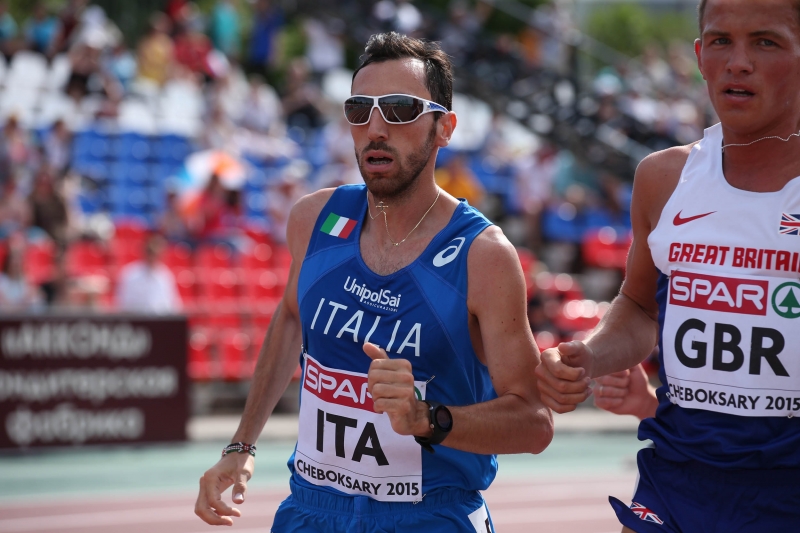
(399, 108)
(357, 110)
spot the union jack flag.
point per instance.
(645, 514)
(790, 224)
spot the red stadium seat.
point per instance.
(124, 252)
(605, 248)
(235, 355)
(218, 284)
(84, 258)
(38, 261)
(262, 284)
(578, 315)
(214, 256)
(178, 256)
(186, 281)
(200, 362)
(260, 257)
(131, 231)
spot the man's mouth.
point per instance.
(378, 160)
(739, 92)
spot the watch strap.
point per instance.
(439, 433)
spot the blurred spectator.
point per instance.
(16, 293)
(69, 20)
(172, 225)
(49, 208)
(225, 28)
(192, 47)
(267, 21)
(324, 47)
(534, 176)
(456, 178)
(401, 16)
(8, 30)
(148, 286)
(175, 10)
(262, 107)
(57, 289)
(41, 29)
(121, 64)
(16, 149)
(15, 214)
(58, 146)
(208, 220)
(156, 52)
(88, 75)
(282, 195)
(302, 98)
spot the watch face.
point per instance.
(443, 418)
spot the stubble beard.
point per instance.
(405, 179)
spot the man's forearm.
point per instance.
(623, 339)
(276, 364)
(508, 424)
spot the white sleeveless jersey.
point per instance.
(729, 302)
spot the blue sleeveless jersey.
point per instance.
(729, 320)
(418, 313)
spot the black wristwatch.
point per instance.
(441, 422)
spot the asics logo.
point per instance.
(448, 254)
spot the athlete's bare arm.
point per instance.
(517, 421)
(629, 330)
(276, 363)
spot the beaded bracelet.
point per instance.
(240, 447)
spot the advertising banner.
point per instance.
(70, 380)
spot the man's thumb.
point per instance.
(374, 351)
(569, 350)
(240, 489)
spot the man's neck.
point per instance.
(766, 166)
(403, 213)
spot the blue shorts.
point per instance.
(443, 510)
(688, 497)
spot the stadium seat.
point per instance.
(218, 285)
(606, 248)
(58, 74)
(235, 348)
(84, 258)
(27, 72)
(262, 284)
(38, 261)
(200, 362)
(177, 256)
(186, 281)
(214, 256)
(260, 257)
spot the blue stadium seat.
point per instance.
(557, 227)
(133, 146)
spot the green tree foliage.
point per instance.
(629, 27)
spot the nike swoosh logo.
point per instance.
(679, 221)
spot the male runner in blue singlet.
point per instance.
(713, 279)
(407, 307)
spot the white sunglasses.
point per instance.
(394, 108)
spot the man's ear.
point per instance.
(698, 47)
(445, 126)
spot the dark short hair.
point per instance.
(438, 69)
(701, 11)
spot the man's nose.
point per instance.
(378, 129)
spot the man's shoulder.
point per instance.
(490, 247)
(669, 162)
(302, 218)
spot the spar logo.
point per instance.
(786, 300)
(717, 293)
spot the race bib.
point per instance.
(732, 344)
(344, 444)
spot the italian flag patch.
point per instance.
(338, 226)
